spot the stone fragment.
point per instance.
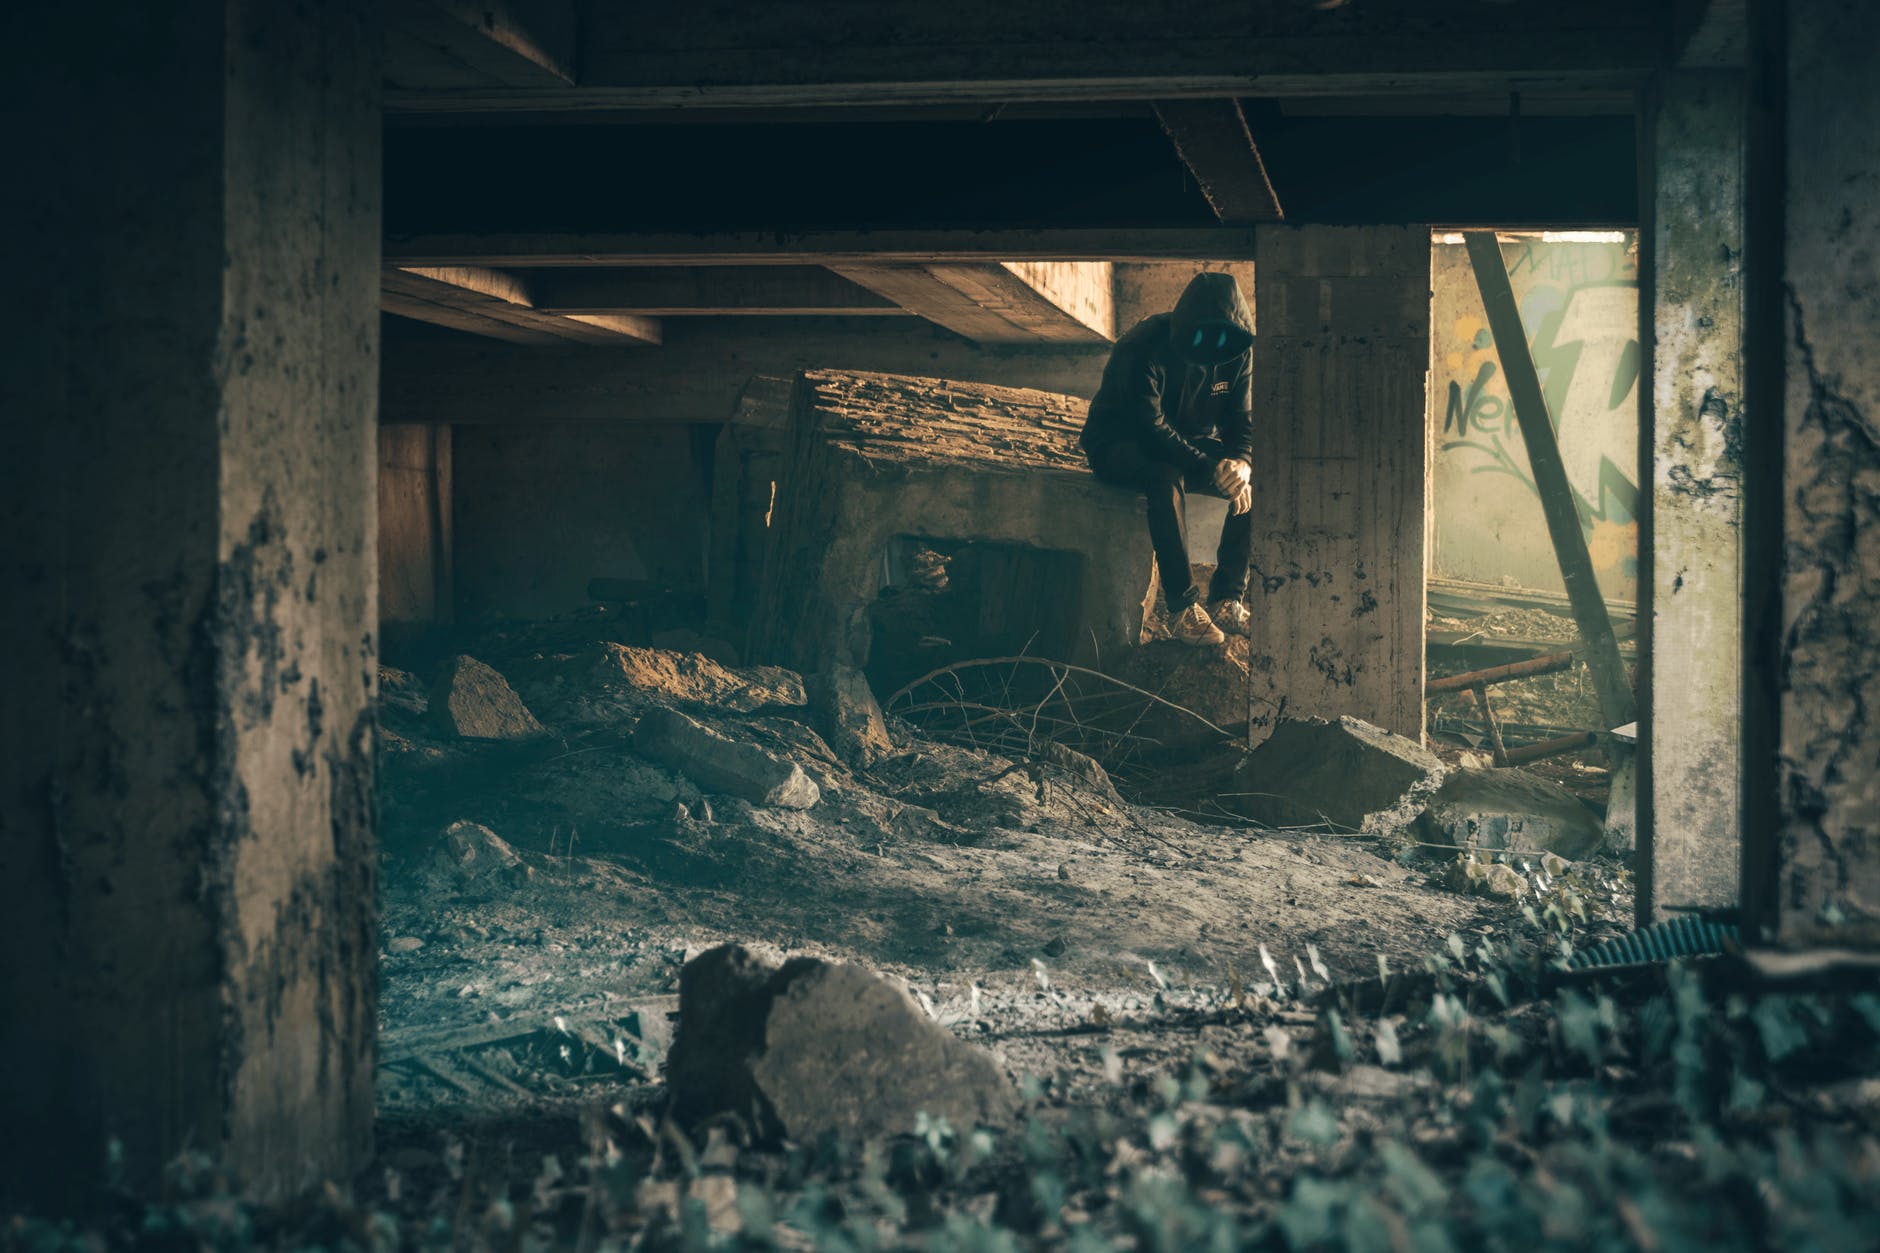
(691, 678)
(1510, 809)
(718, 763)
(473, 702)
(1209, 684)
(851, 717)
(471, 851)
(814, 1047)
(1348, 773)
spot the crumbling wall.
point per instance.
(1827, 846)
(186, 847)
(1693, 696)
(1339, 475)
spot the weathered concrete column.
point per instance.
(1691, 842)
(1340, 473)
(1811, 867)
(186, 512)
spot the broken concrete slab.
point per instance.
(718, 763)
(851, 717)
(471, 852)
(693, 678)
(1510, 809)
(813, 1047)
(473, 702)
(1348, 773)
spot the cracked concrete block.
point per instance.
(718, 763)
(1348, 773)
(1510, 809)
(812, 1047)
(846, 705)
(473, 702)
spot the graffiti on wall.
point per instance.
(1579, 304)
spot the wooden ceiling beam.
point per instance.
(1213, 141)
(725, 291)
(479, 45)
(1064, 302)
(499, 305)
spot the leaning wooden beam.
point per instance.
(479, 44)
(753, 290)
(1213, 141)
(1068, 302)
(1550, 479)
(499, 305)
(832, 248)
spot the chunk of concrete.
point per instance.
(1348, 773)
(471, 852)
(718, 763)
(1510, 809)
(813, 1047)
(693, 678)
(851, 717)
(473, 702)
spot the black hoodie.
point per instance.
(1162, 391)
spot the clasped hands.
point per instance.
(1234, 480)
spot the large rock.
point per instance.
(718, 763)
(813, 1047)
(471, 852)
(473, 702)
(851, 717)
(692, 678)
(1510, 809)
(1348, 773)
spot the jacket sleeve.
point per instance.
(1141, 404)
(1236, 425)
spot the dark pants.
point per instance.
(1167, 487)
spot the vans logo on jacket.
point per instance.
(1220, 388)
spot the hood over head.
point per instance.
(1212, 322)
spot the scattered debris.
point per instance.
(473, 702)
(1347, 774)
(814, 1047)
(469, 851)
(1511, 810)
(693, 678)
(718, 763)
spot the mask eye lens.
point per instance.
(1196, 343)
(1220, 340)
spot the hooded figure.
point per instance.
(1174, 412)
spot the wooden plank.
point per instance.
(479, 44)
(1213, 141)
(664, 54)
(726, 291)
(831, 248)
(1550, 478)
(498, 305)
(1000, 303)
(1340, 460)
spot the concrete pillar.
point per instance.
(1691, 841)
(1340, 472)
(1811, 873)
(186, 500)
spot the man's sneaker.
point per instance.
(1193, 626)
(1231, 616)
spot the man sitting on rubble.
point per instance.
(1174, 412)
